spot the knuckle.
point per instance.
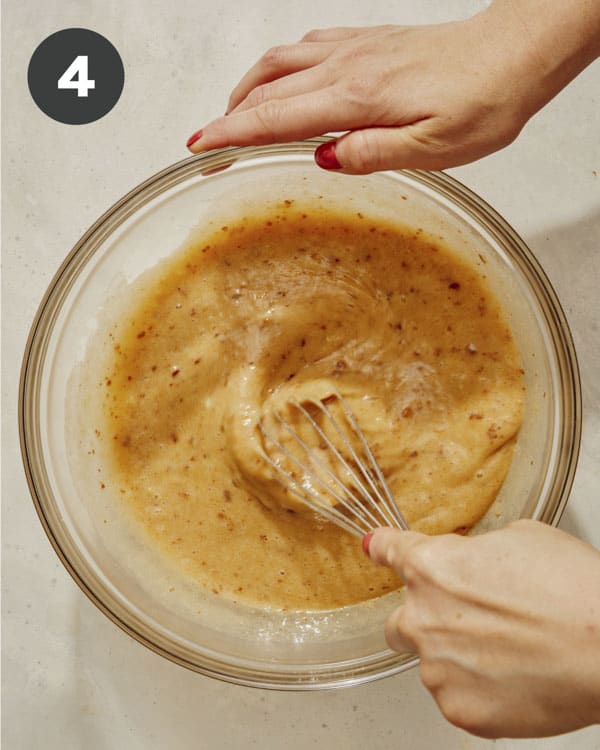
(433, 675)
(258, 95)
(366, 157)
(419, 562)
(457, 710)
(391, 553)
(312, 36)
(358, 90)
(274, 57)
(408, 626)
(404, 620)
(399, 631)
(431, 141)
(268, 114)
(437, 559)
(468, 713)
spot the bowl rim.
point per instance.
(349, 673)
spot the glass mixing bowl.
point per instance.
(62, 447)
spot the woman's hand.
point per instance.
(425, 97)
(411, 97)
(507, 625)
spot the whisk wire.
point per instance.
(308, 496)
(352, 505)
(343, 499)
(383, 507)
(389, 501)
(368, 500)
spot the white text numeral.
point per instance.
(76, 77)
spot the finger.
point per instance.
(396, 636)
(295, 84)
(336, 34)
(389, 547)
(276, 63)
(278, 121)
(410, 146)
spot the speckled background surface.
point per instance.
(71, 679)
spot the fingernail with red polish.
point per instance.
(193, 138)
(366, 541)
(325, 156)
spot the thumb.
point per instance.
(389, 547)
(375, 149)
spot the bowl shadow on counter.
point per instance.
(570, 255)
(122, 689)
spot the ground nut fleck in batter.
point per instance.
(299, 303)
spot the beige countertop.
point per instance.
(71, 679)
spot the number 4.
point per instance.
(79, 68)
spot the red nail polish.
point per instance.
(193, 138)
(325, 156)
(366, 541)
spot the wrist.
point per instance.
(588, 676)
(545, 44)
(577, 643)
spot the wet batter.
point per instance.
(300, 303)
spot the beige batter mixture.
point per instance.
(300, 304)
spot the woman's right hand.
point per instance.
(507, 625)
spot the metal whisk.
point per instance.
(338, 477)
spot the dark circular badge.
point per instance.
(75, 76)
